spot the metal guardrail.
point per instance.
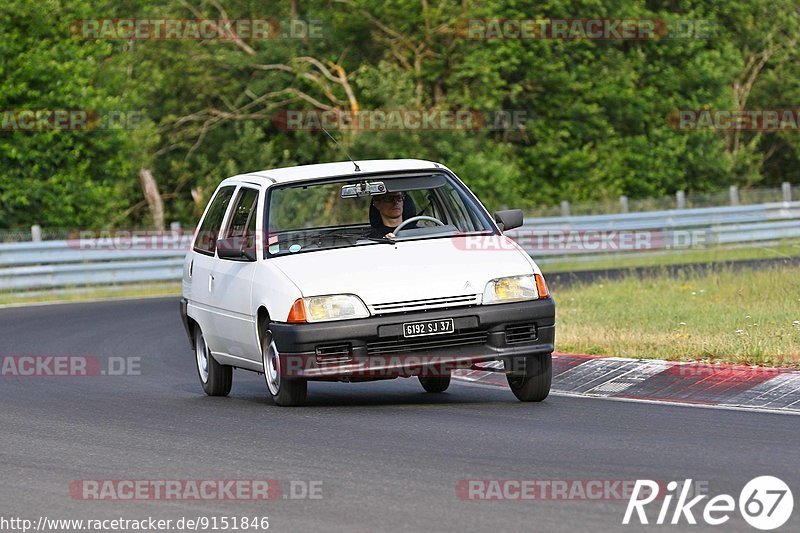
(67, 263)
(105, 273)
(585, 237)
(80, 262)
(170, 246)
(674, 218)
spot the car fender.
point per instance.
(273, 290)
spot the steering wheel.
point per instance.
(415, 219)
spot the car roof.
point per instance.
(332, 170)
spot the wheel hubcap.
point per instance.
(202, 357)
(271, 360)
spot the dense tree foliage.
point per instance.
(596, 113)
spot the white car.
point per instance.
(362, 271)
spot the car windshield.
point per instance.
(328, 214)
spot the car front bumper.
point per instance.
(375, 348)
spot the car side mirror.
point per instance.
(236, 249)
(508, 219)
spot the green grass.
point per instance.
(673, 257)
(751, 316)
(91, 293)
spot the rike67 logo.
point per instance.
(765, 503)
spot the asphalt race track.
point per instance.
(389, 456)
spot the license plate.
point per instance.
(428, 327)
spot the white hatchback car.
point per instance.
(354, 272)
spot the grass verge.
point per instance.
(750, 316)
(785, 249)
(77, 294)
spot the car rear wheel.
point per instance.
(284, 391)
(435, 383)
(215, 378)
(531, 376)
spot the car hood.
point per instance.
(408, 270)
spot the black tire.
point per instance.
(435, 383)
(283, 391)
(215, 378)
(532, 382)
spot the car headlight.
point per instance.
(515, 289)
(325, 308)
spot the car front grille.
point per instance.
(430, 343)
(425, 304)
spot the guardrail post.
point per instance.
(623, 204)
(734, 195)
(564, 208)
(680, 199)
(36, 233)
(787, 191)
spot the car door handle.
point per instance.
(210, 282)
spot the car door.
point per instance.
(235, 322)
(199, 277)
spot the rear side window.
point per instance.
(206, 240)
(243, 218)
(242, 223)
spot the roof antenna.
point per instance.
(340, 146)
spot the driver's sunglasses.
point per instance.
(391, 198)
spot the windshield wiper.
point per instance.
(336, 235)
(385, 240)
(355, 236)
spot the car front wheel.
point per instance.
(284, 391)
(215, 378)
(531, 382)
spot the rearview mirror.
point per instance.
(509, 219)
(356, 190)
(237, 248)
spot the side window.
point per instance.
(243, 219)
(206, 240)
(242, 225)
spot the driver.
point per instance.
(387, 211)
